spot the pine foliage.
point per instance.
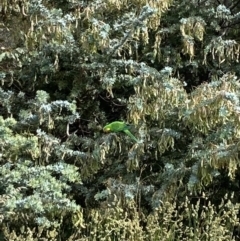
(170, 69)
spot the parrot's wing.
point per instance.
(130, 135)
(118, 126)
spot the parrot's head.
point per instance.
(106, 129)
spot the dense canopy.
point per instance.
(170, 69)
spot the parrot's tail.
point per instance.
(131, 135)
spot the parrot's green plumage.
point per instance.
(118, 126)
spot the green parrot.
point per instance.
(118, 126)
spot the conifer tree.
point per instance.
(170, 69)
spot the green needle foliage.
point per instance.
(171, 68)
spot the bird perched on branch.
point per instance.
(118, 126)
